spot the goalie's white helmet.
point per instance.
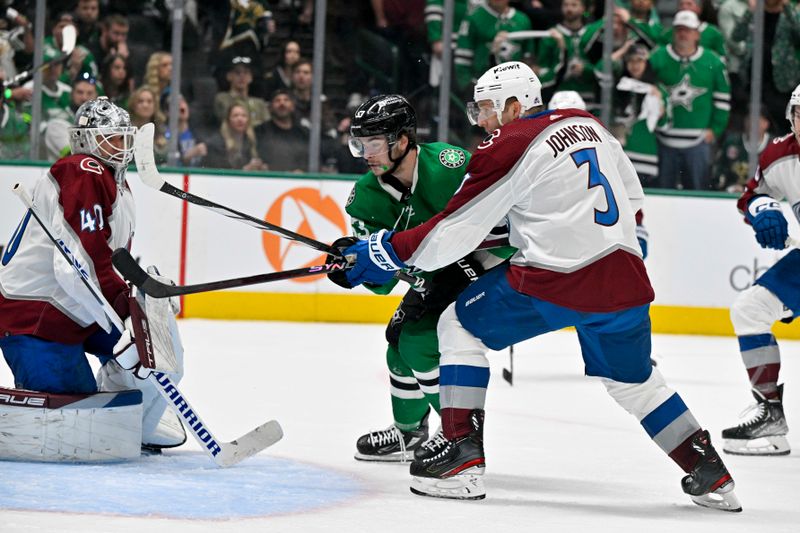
(794, 100)
(97, 123)
(567, 99)
(506, 80)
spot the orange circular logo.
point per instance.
(305, 211)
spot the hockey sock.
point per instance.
(762, 359)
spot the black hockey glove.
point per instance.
(448, 283)
(411, 308)
(339, 277)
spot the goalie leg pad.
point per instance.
(161, 427)
(99, 427)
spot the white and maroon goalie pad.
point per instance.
(100, 427)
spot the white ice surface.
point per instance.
(561, 455)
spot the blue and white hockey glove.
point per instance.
(765, 215)
(643, 237)
(373, 260)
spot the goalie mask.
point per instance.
(498, 84)
(104, 130)
(791, 112)
(388, 115)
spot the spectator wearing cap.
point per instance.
(56, 135)
(710, 35)
(55, 93)
(282, 141)
(84, 88)
(699, 95)
(240, 77)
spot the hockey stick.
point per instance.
(508, 373)
(148, 173)
(125, 263)
(68, 38)
(222, 453)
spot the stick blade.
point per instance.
(250, 444)
(69, 36)
(126, 265)
(143, 155)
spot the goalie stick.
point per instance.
(222, 453)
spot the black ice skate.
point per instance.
(710, 484)
(452, 468)
(392, 445)
(764, 433)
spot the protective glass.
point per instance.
(476, 114)
(368, 147)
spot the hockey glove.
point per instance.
(411, 308)
(374, 260)
(339, 277)
(643, 237)
(764, 214)
(448, 283)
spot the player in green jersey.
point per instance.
(406, 185)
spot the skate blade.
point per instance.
(391, 458)
(468, 485)
(722, 499)
(773, 445)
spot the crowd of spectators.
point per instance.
(680, 68)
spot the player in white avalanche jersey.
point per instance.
(48, 319)
(570, 195)
(774, 296)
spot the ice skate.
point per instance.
(392, 445)
(452, 469)
(427, 448)
(763, 434)
(710, 484)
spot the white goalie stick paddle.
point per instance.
(222, 453)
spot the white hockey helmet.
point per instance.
(97, 122)
(506, 80)
(794, 100)
(567, 99)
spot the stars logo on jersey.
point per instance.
(351, 197)
(452, 158)
(684, 93)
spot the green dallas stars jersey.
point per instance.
(474, 55)
(434, 16)
(374, 205)
(551, 60)
(699, 95)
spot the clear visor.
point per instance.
(476, 114)
(116, 144)
(368, 147)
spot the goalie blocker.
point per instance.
(89, 428)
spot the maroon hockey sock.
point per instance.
(764, 378)
(456, 422)
(685, 455)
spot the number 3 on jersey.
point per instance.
(610, 216)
